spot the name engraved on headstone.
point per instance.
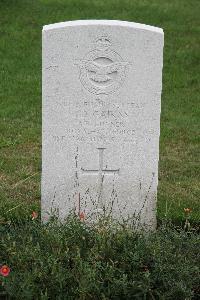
(108, 119)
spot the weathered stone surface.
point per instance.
(101, 118)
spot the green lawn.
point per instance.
(21, 23)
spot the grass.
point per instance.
(74, 261)
(21, 23)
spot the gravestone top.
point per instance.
(101, 90)
(102, 22)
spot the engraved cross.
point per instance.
(100, 172)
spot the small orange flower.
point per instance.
(4, 270)
(187, 210)
(34, 215)
(82, 216)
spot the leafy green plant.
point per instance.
(77, 261)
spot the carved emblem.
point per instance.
(102, 71)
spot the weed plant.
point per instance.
(77, 261)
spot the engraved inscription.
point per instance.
(102, 71)
(99, 120)
(100, 172)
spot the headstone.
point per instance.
(101, 88)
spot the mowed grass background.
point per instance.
(21, 24)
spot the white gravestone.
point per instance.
(102, 84)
